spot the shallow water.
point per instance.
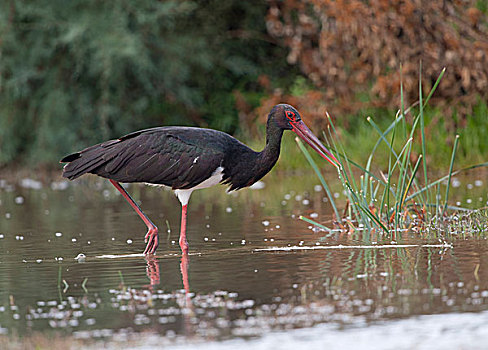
(238, 282)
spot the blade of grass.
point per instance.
(438, 215)
(83, 284)
(391, 169)
(373, 193)
(352, 201)
(367, 169)
(310, 221)
(432, 184)
(415, 169)
(401, 182)
(383, 134)
(340, 155)
(366, 211)
(415, 124)
(59, 284)
(422, 129)
(386, 194)
(364, 190)
(450, 172)
(402, 165)
(402, 103)
(319, 175)
(66, 286)
(370, 174)
(121, 278)
(435, 86)
(343, 174)
(344, 155)
(422, 105)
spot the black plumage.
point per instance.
(178, 157)
(183, 158)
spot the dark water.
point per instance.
(235, 284)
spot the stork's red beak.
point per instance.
(304, 132)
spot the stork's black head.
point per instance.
(287, 117)
(283, 115)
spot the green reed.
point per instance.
(395, 200)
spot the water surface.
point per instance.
(235, 285)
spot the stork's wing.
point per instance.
(176, 157)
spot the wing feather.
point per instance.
(173, 156)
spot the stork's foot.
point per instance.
(152, 240)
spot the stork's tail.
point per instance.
(86, 161)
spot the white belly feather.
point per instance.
(214, 179)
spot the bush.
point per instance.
(78, 72)
(352, 51)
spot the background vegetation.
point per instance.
(75, 73)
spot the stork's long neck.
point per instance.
(245, 166)
(269, 155)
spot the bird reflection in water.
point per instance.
(185, 303)
(153, 271)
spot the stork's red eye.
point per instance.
(290, 115)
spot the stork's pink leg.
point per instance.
(152, 231)
(184, 271)
(183, 241)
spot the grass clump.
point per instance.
(399, 197)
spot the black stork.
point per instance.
(186, 159)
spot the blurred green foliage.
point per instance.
(74, 73)
(77, 72)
